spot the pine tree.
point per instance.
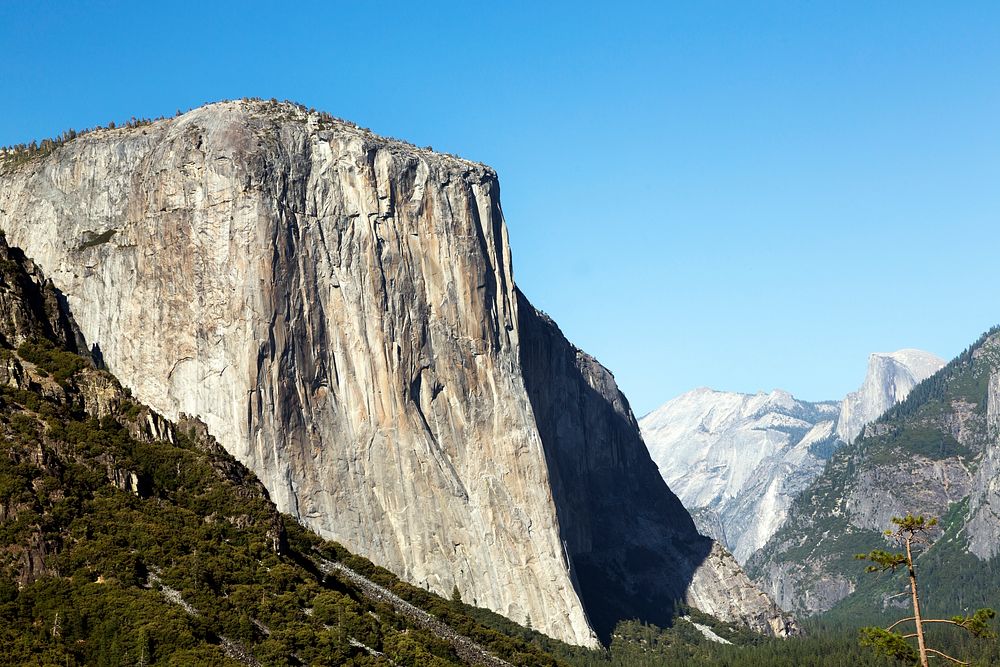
(910, 532)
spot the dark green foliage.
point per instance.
(958, 379)
(901, 441)
(913, 439)
(97, 239)
(889, 644)
(111, 524)
(636, 644)
(912, 532)
(978, 624)
(60, 364)
(883, 560)
(500, 635)
(825, 644)
(951, 579)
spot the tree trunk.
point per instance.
(916, 606)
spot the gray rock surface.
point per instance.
(721, 584)
(737, 461)
(339, 310)
(879, 492)
(984, 499)
(783, 582)
(890, 377)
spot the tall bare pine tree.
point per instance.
(911, 533)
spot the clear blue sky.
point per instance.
(739, 195)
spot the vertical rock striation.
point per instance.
(984, 499)
(890, 377)
(339, 309)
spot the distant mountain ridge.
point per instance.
(936, 453)
(737, 461)
(890, 378)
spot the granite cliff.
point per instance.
(135, 540)
(890, 378)
(339, 309)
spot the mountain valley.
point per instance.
(271, 396)
(933, 453)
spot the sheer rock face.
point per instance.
(339, 310)
(984, 500)
(621, 524)
(890, 378)
(30, 307)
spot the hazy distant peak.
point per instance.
(920, 363)
(724, 452)
(890, 378)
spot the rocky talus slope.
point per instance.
(737, 461)
(934, 454)
(340, 310)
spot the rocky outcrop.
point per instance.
(882, 491)
(339, 310)
(984, 496)
(806, 586)
(890, 377)
(720, 584)
(31, 308)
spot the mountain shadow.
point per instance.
(633, 548)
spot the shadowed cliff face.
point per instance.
(30, 306)
(633, 548)
(339, 309)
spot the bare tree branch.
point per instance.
(902, 620)
(945, 655)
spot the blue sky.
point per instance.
(739, 195)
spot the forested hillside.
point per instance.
(125, 539)
(934, 454)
